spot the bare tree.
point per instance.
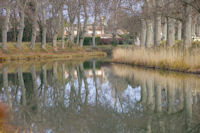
(7, 6)
(72, 9)
(85, 4)
(187, 26)
(34, 5)
(21, 6)
(44, 4)
(57, 11)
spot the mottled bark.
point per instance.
(164, 30)
(44, 74)
(78, 29)
(171, 97)
(72, 90)
(158, 30)
(198, 26)
(143, 33)
(85, 83)
(187, 104)
(95, 79)
(149, 34)
(44, 28)
(21, 29)
(21, 83)
(170, 31)
(144, 94)
(158, 26)
(34, 24)
(5, 26)
(150, 92)
(94, 31)
(179, 30)
(79, 75)
(84, 26)
(187, 37)
(158, 97)
(62, 91)
(57, 23)
(5, 85)
(35, 87)
(63, 30)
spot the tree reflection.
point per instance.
(66, 97)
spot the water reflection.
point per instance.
(97, 97)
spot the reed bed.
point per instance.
(174, 58)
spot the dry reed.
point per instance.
(176, 58)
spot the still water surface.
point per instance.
(96, 97)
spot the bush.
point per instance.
(88, 41)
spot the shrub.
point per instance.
(88, 41)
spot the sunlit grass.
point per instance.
(176, 58)
(26, 53)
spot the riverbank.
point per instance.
(26, 53)
(173, 59)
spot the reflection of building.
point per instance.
(89, 74)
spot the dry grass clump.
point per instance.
(176, 58)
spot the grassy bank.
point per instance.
(175, 58)
(26, 53)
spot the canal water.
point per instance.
(96, 97)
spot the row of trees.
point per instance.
(48, 19)
(169, 20)
(51, 17)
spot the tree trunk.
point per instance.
(84, 27)
(149, 34)
(187, 37)
(21, 83)
(187, 104)
(193, 28)
(34, 26)
(114, 34)
(158, 30)
(5, 85)
(78, 29)
(94, 32)
(44, 28)
(158, 97)
(158, 26)
(143, 33)
(164, 30)
(95, 79)
(44, 73)
(56, 29)
(35, 86)
(5, 27)
(170, 32)
(198, 26)
(85, 83)
(21, 30)
(150, 92)
(63, 31)
(179, 31)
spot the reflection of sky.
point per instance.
(105, 94)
